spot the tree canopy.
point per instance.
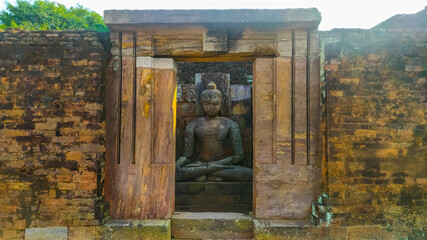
(46, 15)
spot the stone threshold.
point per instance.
(185, 225)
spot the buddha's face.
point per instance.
(211, 105)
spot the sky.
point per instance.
(335, 13)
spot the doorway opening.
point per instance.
(234, 81)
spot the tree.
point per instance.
(45, 15)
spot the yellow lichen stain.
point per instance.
(300, 135)
(147, 109)
(422, 181)
(335, 93)
(383, 153)
(393, 95)
(349, 80)
(240, 109)
(365, 133)
(149, 78)
(410, 181)
(174, 110)
(278, 152)
(126, 44)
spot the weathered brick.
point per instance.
(82, 233)
(373, 129)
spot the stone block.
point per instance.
(242, 108)
(136, 229)
(228, 187)
(367, 232)
(186, 93)
(82, 233)
(208, 225)
(213, 197)
(240, 92)
(287, 229)
(12, 234)
(47, 233)
(215, 41)
(189, 187)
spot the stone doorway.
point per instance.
(283, 46)
(234, 80)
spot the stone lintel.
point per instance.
(159, 63)
(308, 17)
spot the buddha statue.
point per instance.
(210, 132)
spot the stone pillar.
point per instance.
(141, 130)
(286, 102)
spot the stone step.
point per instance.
(211, 225)
(136, 230)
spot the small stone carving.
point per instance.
(210, 132)
(321, 211)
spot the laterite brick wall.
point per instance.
(52, 132)
(52, 129)
(376, 85)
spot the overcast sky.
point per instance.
(335, 13)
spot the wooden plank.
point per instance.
(162, 194)
(284, 44)
(263, 105)
(112, 122)
(315, 156)
(128, 44)
(300, 97)
(252, 46)
(283, 68)
(143, 141)
(144, 45)
(164, 111)
(156, 194)
(127, 104)
(123, 185)
(173, 45)
(144, 125)
(115, 43)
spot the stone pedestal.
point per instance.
(213, 197)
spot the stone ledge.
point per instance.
(210, 225)
(310, 16)
(47, 233)
(294, 229)
(137, 229)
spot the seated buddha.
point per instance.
(211, 132)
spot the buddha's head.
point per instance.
(211, 100)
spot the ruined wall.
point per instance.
(376, 85)
(52, 129)
(52, 133)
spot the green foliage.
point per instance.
(45, 15)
